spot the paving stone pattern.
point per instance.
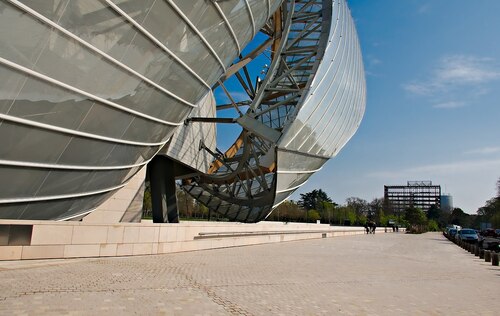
(381, 274)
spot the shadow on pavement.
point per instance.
(442, 240)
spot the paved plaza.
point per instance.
(381, 274)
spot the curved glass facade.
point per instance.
(91, 90)
(332, 110)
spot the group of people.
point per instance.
(370, 227)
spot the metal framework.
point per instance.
(241, 183)
(419, 194)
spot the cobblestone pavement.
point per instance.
(381, 274)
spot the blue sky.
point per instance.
(433, 107)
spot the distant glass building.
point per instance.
(418, 194)
(447, 203)
(93, 93)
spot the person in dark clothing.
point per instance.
(367, 228)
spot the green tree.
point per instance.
(434, 212)
(361, 209)
(328, 211)
(388, 207)
(439, 216)
(432, 226)
(495, 220)
(377, 210)
(415, 216)
(358, 205)
(345, 214)
(361, 220)
(384, 221)
(288, 211)
(203, 210)
(185, 204)
(147, 206)
(338, 215)
(498, 188)
(313, 216)
(416, 220)
(313, 200)
(490, 212)
(459, 217)
(351, 216)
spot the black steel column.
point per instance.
(163, 199)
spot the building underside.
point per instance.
(94, 91)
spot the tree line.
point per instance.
(317, 205)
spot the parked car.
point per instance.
(467, 235)
(452, 232)
(446, 231)
(489, 232)
(490, 243)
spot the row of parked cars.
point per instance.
(488, 239)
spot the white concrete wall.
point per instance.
(80, 239)
(114, 208)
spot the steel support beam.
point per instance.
(163, 198)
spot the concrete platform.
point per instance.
(381, 274)
(21, 240)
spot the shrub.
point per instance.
(432, 226)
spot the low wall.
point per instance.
(21, 240)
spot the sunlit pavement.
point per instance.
(384, 274)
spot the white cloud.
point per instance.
(455, 71)
(371, 64)
(449, 105)
(483, 151)
(418, 88)
(460, 69)
(428, 171)
(424, 8)
(371, 74)
(374, 60)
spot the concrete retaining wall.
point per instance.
(21, 240)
